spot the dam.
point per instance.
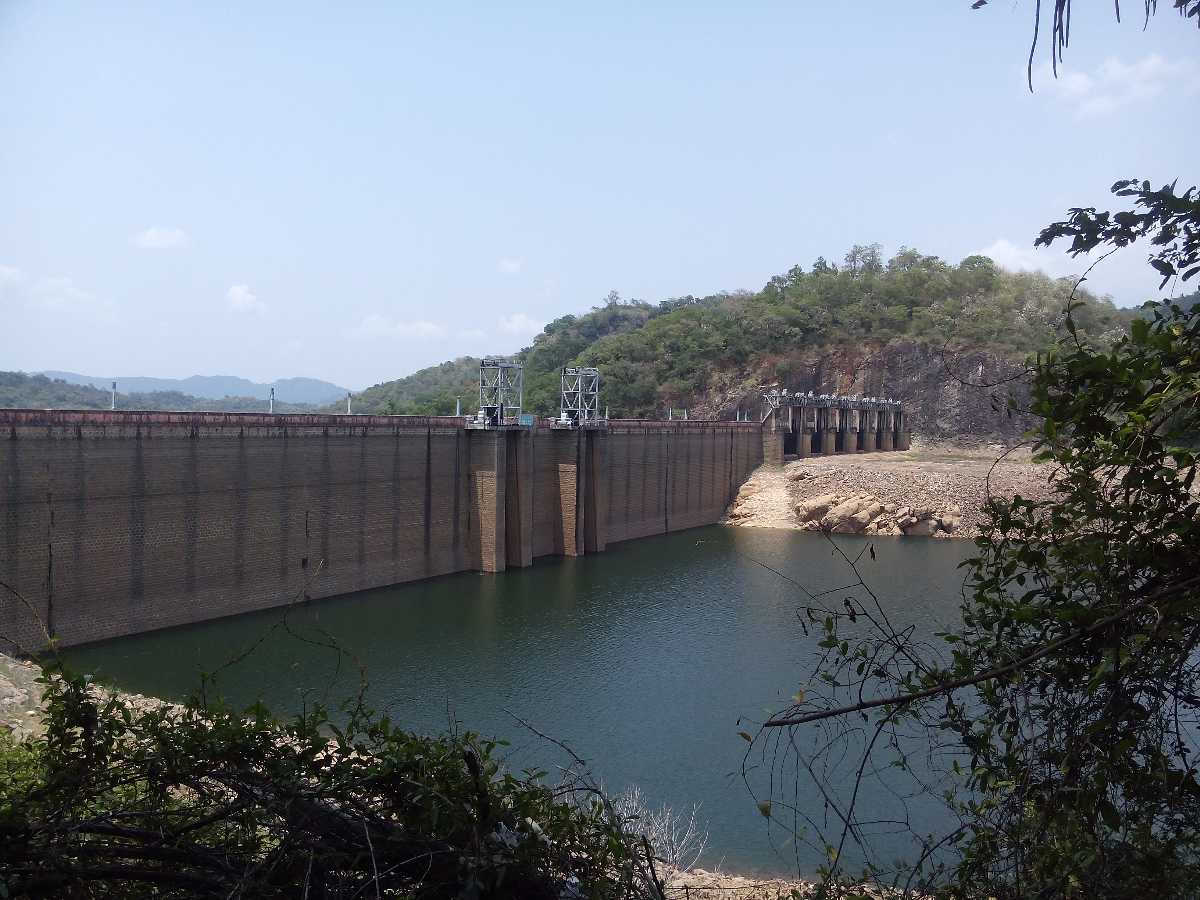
(118, 522)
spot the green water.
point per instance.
(642, 658)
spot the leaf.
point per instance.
(1163, 267)
(798, 697)
(1109, 814)
(764, 807)
(979, 3)
(746, 736)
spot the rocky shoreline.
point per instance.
(926, 491)
(21, 698)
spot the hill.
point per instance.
(433, 391)
(213, 387)
(18, 389)
(913, 327)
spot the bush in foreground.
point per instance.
(199, 800)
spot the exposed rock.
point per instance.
(866, 514)
(852, 515)
(938, 492)
(816, 507)
(935, 384)
(923, 528)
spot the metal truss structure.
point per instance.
(580, 403)
(501, 390)
(853, 409)
(774, 399)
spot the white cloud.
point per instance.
(52, 294)
(472, 334)
(377, 326)
(1019, 258)
(510, 265)
(59, 293)
(242, 299)
(520, 324)
(1124, 274)
(1115, 84)
(160, 237)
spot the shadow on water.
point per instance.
(642, 658)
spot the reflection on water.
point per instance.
(642, 658)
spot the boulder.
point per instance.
(866, 515)
(923, 528)
(949, 521)
(851, 516)
(815, 507)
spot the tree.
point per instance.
(1069, 698)
(1060, 24)
(863, 260)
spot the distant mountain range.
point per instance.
(214, 387)
(40, 392)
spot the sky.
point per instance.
(355, 191)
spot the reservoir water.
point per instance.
(643, 659)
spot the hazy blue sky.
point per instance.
(353, 191)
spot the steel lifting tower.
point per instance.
(580, 403)
(501, 390)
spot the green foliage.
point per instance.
(686, 348)
(204, 801)
(1069, 698)
(1081, 757)
(678, 356)
(1169, 220)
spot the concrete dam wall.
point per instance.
(113, 523)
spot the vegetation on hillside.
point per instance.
(39, 392)
(684, 351)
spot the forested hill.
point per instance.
(862, 326)
(18, 389)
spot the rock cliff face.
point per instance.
(959, 394)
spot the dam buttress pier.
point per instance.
(802, 425)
